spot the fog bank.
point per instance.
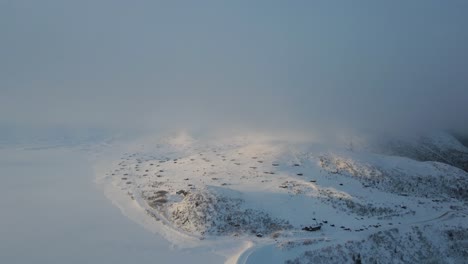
(365, 66)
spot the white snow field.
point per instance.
(262, 199)
(52, 212)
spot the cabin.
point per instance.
(312, 228)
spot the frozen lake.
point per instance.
(52, 212)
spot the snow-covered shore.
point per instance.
(251, 198)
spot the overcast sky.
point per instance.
(270, 64)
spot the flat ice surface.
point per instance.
(52, 212)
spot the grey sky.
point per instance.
(271, 64)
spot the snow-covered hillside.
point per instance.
(261, 199)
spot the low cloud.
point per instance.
(312, 67)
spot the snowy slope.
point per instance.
(250, 198)
(441, 147)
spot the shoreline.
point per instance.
(230, 249)
(55, 213)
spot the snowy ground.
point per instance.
(250, 198)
